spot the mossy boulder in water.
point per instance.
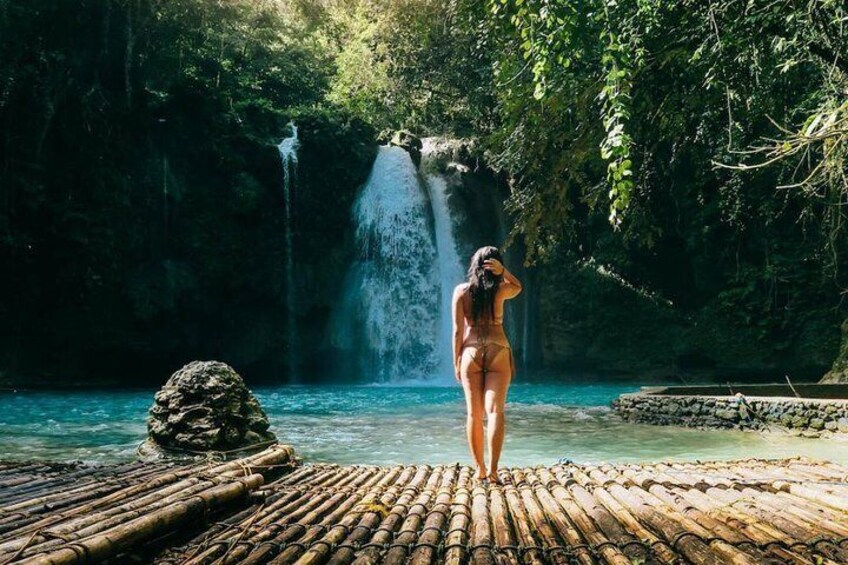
(205, 406)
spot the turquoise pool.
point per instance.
(391, 424)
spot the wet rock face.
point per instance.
(205, 406)
(409, 142)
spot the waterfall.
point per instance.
(288, 155)
(394, 321)
(389, 316)
(449, 263)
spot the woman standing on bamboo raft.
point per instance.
(482, 356)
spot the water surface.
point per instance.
(392, 424)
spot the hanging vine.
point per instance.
(553, 36)
(620, 52)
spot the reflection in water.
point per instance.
(393, 424)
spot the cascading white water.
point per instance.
(288, 154)
(389, 316)
(394, 321)
(449, 263)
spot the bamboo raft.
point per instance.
(58, 514)
(742, 512)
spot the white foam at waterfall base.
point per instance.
(288, 154)
(389, 314)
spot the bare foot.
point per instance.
(493, 478)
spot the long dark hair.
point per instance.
(482, 284)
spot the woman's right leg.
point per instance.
(472, 384)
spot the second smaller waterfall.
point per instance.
(288, 154)
(449, 263)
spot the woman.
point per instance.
(482, 357)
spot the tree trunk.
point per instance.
(128, 53)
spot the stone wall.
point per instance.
(802, 416)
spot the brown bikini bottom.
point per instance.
(484, 352)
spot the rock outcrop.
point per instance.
(409, 142)
(205, 406)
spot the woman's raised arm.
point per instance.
(511, 286)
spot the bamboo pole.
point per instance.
(434, 523)
(731, 493)
(181, 554)
(412, 523)
(83, 517)
(291, 520)
(784, 499)
(304, 531)
(290, 510)
(552, 543)
(364, 522)
(456, 537)
(313, 533)
(77, 523)
(558, 500)
(385, 531)
(70, 500)
(480, 531)
(804, 532)
(524, 532)
(505, 540)
(804, 514)
(721, 547)
(87, 524)
(25, 467)
(705, 513)
(112, 542)
(831, 496)
(647, 480)
(297, 476)
(690, 544)
(27, 480)
(698, 493)
(660, 549)
(378, 526)
(55, 498)
(91, 525)
(294, 552)
(588, 511)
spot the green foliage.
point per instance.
(140, 195)
(558, 42)
(140, 188)
(411, 64)
(746, 51)
(678, 87)
(362, 83)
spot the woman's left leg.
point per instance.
(497, 382)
